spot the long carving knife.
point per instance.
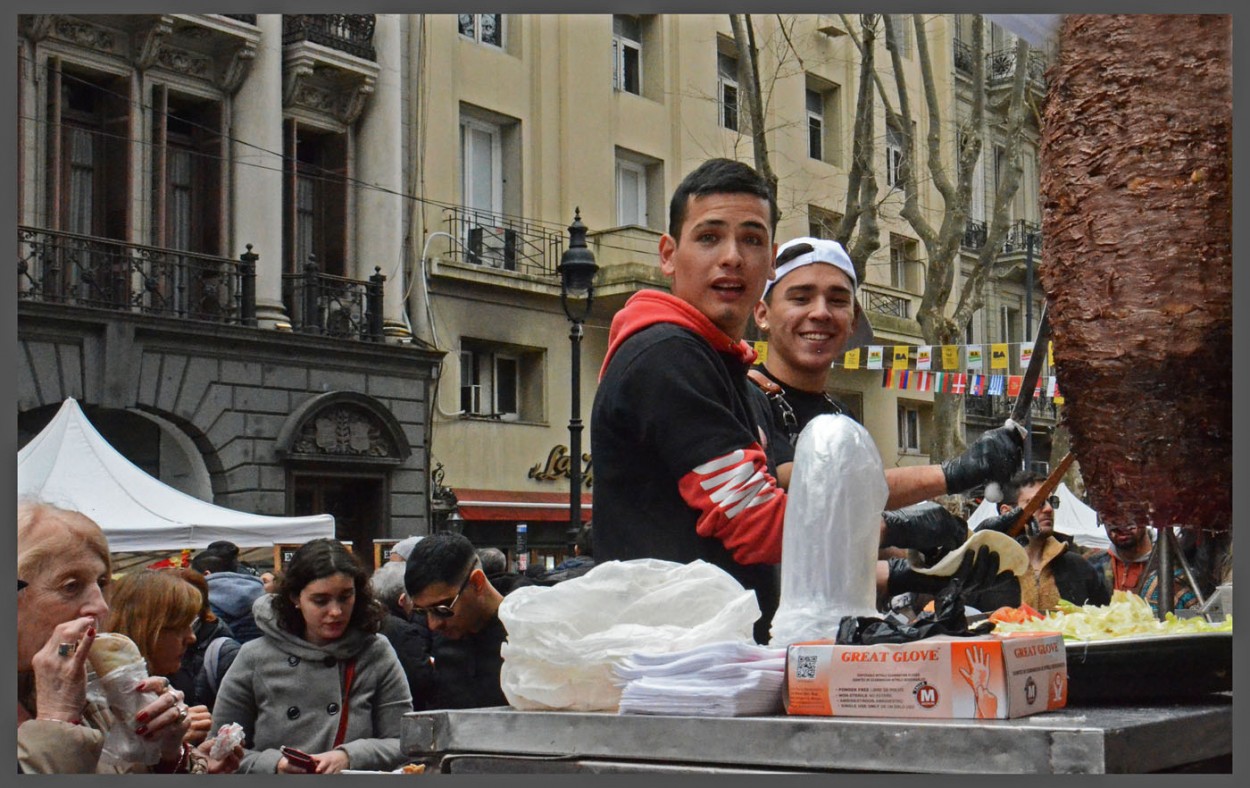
(1024, 400)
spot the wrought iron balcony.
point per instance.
(1018, 235)
(334, 306)
(66, 268)
(503, 242)
(887, 304)
(1000, 67)
(350, 33)
(996, 407)
(974, 235)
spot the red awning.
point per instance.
(543, 507)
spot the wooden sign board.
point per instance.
(282, 554)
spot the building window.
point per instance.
(815, 126)
(893, 157)
(908, 429)
(187, 159)
(501, 382)
(317, 199)
(1009, 324)
(627, 54)
(727, 90)
(89, 115)
(823, 122)
(484, 28)
(631, 193)
(490, 181)
(903, 254)
(822, 223)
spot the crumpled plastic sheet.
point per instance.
(563, 640)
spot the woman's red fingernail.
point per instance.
(91, 632)
(141, 717)
(142, 729)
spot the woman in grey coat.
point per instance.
(320, 679)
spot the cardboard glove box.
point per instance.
(992, 677)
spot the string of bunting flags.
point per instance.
(948, 369)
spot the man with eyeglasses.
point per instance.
(445, 581)
(1058, 570)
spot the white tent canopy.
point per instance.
(1072, 517)
(69, 464)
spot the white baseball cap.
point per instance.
(818, 250)
(404, 546)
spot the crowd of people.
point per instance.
(694, 448)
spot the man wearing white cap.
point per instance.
(810, 314)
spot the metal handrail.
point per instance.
(504, 242)
(67, 268)
(350, 33)
(334, 306)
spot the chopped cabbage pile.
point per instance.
(1128, 614)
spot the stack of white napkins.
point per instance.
(726, 679)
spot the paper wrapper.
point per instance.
(229, 736)
(122, 744)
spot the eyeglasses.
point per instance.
(445, 611)
(1053, 501)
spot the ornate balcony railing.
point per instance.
(997, 407)
(350, 33)
(1000, 66)
(503, 242)
(974, 235)
(1018, 235)
(66, 268)
(334, 306)
(887, 304)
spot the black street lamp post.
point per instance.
(1028, 330)
(577, 277)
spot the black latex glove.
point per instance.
(947, 618)
(1001, 523)
(928, 527)
(977, 571)
(993, 458)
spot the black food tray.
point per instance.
(1149, 667)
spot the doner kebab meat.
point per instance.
(1136, 181)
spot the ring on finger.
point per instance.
(66, 649)
(182, 713)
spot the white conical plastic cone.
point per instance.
(832, 531)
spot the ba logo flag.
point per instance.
(874, 356)
(998, 355)
(900, 357)
(1026, 354)
(974, 357)
(924, 357)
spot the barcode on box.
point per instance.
(806, 668)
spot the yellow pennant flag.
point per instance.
(1050, 354)
(852, 359)
(950, 356)
(900, 356)
(761, 350)
(998, 355)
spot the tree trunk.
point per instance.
(1137, 177)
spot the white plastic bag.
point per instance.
(832, 531)
(563, 640)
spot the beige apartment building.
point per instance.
(447, 154)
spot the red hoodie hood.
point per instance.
(647, 308)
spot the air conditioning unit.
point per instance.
(471, 398)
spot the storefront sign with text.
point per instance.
(557, 466)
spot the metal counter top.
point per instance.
(1095, 739)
